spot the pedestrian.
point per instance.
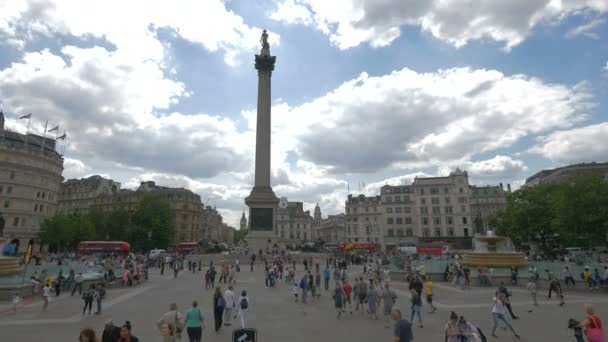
(243, 308)
(15, 302)
(88, 295)
(218, 308)
(531, 286)
(428, 290)
(100, 294)
(326, 274)
(416, 307)
(356, 288)
(469, 332)
(304, 288)
(452, 330)
(171, 324)
(111, 333)
(568, 276)
(125, 333)
(339, 298)
(498, 313)
(87, 335)
(195, 323)
(362, 293)
(403, 328)
(554, 286)
(78, 284)
(46, 293)
(592, 326)
(503, 289)
(348, 290)
(388, 298)
(229, 309)
(372, 301)
(175, 270)
(57, 284)
(296, 290)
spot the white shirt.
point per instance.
(499, 307)
(46, 291)
(229, 298)
(239, 303)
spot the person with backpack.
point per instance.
(171, 324)
(243, 308)
(218, 308)
(100, 294)
(195, 323)
(304, 287)
(88, 297)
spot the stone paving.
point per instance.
(277, 318)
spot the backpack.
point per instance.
(244, 304)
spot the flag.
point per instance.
(56, 128)
(28, 253)
(28, 116)
(62, 137)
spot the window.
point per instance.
(375, 209)
(437, 220)
(448, 220)
(400, 232)
(422, 191)
(407, 210)
(464, 220)
(466, 231)
(406, 198)
(435, 200)
(423, 201)
(389, 220)
(9, 189)
(409, 232)
(356, 230)
(425, 220)
(460, 190)
(462, 200)
(397, 198)
(348, 230)
(451, 232)
(355, 219)
(41, 207)
(23, 222)
(291, 235)
(389, 198)
(436, 210)
(298, 226)
(408, 220)
(15, 221)
(367, 209)
(391, 233)
(7, 203)
(12, 175)
(389, 210)
(355, 210)
(356, 239)
(424, 210)
(399, 220)
(448, 210)
(447, 200)
(348, 210)
(38, 194)
(437, 232)
(463, 208)
(434, 191)
(398, 210)
(298, 235)
(426, 233)
(446, 190)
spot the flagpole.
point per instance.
(44, 136)
(29, 120)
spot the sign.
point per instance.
(244, 335)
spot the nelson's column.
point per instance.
(262, 201)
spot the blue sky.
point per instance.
(363, 91)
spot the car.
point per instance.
(156, 252)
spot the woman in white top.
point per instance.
(243, 308)
(498, 313)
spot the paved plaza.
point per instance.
(277, 318)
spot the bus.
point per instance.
(187, 247)
(407, 247)
(88, 247)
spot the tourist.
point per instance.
(403, 328)
(78, 283)
(100, 294)
(339, 298)
(87, 335)
(243, 308)
(88, 296)
(348, 289)
(230, 301)
(514, 273)
(125, 333)
(428, 290)
(416, 307)
(304, 287)
(554, 285)
(388, 298)
(592, 325)
(568, 276)
(326, 275)
(452, 330)
(171, 324)
(469, 332)
(362, 293)
(195, 323)
(356, 294)
(111, 333)
(498, 313)
(218, 308)
(372, 301)
(503, 289)
(531, 286)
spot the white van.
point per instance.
(156, 252)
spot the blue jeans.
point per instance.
(416, 310)
(496, 317)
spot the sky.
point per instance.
(364, 92)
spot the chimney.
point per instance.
(508, 187)
(501, 186)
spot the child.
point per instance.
(296, 290)
(428, 289)
(16, 300)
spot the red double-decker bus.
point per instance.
(86, 247)
(186, 247)
(357, 246)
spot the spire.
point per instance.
(1, 121)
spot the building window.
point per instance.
(15, 221)
(391, 233)
(463, 208)
(434, 191)
(348, 210)
(355, 230)
(298, 226)
(464, 220)
(400, 232)
(448, 220)
(12, 175)
(423, 201)
(375, 209)
(408, 220)
(389, 198)
(422, 191)
(9, 189)
(451, 232)
(23, 222)
(7, 203)
(355, 219)
(36, 207)
(424, 210)
(356, 239)
(389, 220)
(446, 190)
(354, 210)
(448, 210)
(447, 200)
(298, 235)
(466, 231)
(398, 210)
(389, 210)
(425, 220)
(399, 220)
(1, 188)
(435, 200)
(437, 220)
(41, 207)
(407, 210)
(426, 233)
(397, 198)
(409, 232)
(436, 210)
(462, 200)
(438, 232)
(460, 190)
(367, 209)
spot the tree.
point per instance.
(153, 215)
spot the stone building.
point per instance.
(78, 195)
(433, 208)
(243, 223)
(332, 229)
(317, 216)
(294, 224)
(30, 177)
(212, 224)
(185, 205)
(561, 173)
(486, 200)
(227, 233)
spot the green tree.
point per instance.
(154, 216)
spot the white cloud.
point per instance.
(497, 167)
(586, 29)
(582, 144)
(292, 13)
(606, 68)
(74, 168)
(349, 23)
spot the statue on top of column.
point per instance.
(265, 46)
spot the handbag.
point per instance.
(595, 333)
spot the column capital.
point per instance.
(264, 63)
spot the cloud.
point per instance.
(606, 68)
(74, 168)
(586, 29)
(581, 144)
(497, 167)
(349, 23)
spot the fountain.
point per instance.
(494, 251)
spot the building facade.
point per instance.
(485, 201)
(227, 233)
(185, 205)
(363, 219)
(332, 229)
(78, 195)
(293, 224)
(243, 223)
(211, 229)
(561, 173)
(30, 177)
